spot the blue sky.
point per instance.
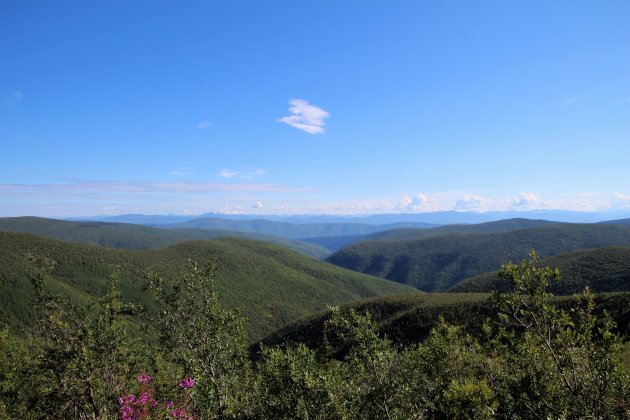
(339, 107)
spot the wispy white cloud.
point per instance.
(13, 99)
(306, 117)
(95, 187)
(473, 202)
(526, 199)
(251, 174)
(189, 212)
(567, 102)
(533, 201)
(625, 100)
(80, 197)
(231, 210)
(177, 173)
(247, 174)
(204, 124)
(352, 207)
(620, 201)
(226, 173)
(421, 202)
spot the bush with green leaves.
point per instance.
(208, 341)
(559, 364)
(535, 360)
(77, 359)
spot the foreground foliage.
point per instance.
(534, 360)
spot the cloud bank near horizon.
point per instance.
(87, 198)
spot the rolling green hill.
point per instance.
(603, 270)
(335, 243)
(439, 263)
(617, 222)
(131, 236)
(385, 311)
(409, 318)
(488, 227)
(273, 284)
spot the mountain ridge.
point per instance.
(436, 218)
(601, 269)
(273, 284)
(438, 263)
(134, 236)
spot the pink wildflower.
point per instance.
(144, 398)
(127, 413)
(178, 412)
(144, 378)
(187, 383)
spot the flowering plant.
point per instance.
(187, 383)
(146, 405)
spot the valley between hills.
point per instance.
(279, 272)
(290, 282)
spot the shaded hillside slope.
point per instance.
(603, 270)
(617, 222)
(439, 263)
(273, 284)
(335, 243)
(131, 236)
(488, 227)
(409, 318)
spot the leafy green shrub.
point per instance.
(536, 360)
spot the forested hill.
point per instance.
(603, 270)
(617, 222)
(335, 243)
(274, 285)
(439, 263)
(132, 236)
(489, 227)
(409, 319)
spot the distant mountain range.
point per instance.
(291, 230)
(431, 218)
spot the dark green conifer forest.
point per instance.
(530, 358)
